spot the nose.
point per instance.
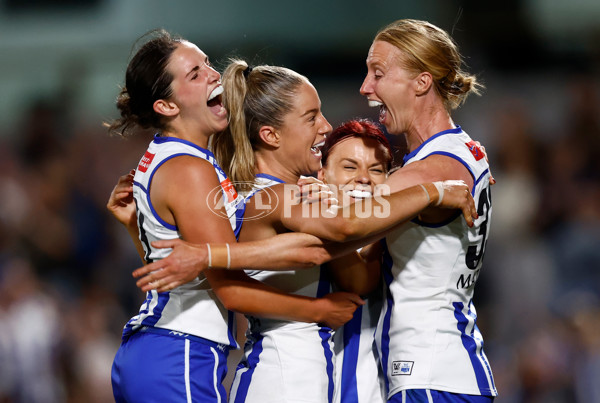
(214, 75)
(366, 88)
(362, 176)
(325, 128)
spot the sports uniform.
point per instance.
(359, 378)
(176, 348)
(286, 361)
(427, 334)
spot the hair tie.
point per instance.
(247, 71)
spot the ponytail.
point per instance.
(232, 147)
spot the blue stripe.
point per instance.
(420, 396)
(479, 179)
(349, 386)
(239, 218)
(325, 334)
(250, 363)
(324, 288)
(163, 299)
(158, 139)
(456, 130)
(385, 331)
(231, 327)
(470, 345)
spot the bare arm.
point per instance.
(235, 289)
(380, 213)
(121, 206)
(358, 272)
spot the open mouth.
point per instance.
(215, 100)
(382, 109)
(316, 149)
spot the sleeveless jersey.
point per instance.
(427, 334)
(286, 361)
(192, 308)
(358, 374)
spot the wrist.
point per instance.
(316, 313)
(219, 256)
(434, 191)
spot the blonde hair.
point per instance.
(429, 48)
(254, 97)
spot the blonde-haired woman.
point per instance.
(430, 346)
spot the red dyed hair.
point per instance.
(362, 128)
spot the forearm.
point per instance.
(368, 217)
(282, 252)
(251, 297)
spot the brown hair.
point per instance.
(146, 80)
(429, 48)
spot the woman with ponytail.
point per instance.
(278, 116)
(176, 348)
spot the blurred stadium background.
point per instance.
(65, 284)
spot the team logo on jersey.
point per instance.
(475, 150)
(229, 190)
(402, 367)
(146, 161)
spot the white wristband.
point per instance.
(228, 257)
(440, 188)
(209, 256)
(426, 192)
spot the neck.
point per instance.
(427, 125)
(189, 134)
(266, 164)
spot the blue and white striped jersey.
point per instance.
(192, 308)
(427, 334)
(286, 361)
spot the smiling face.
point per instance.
(356, 165)
(196, 90)
(390, 86)
(303, 130)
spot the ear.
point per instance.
(423, 82)
(166, 108)
(270, 136)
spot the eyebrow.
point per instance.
(309, 112)
(196, 68)
(349, 159)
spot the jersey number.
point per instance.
(483, 209)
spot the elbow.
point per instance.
(230, 299)
(348, 230)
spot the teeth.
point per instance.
(215, 93)
(359, 194)
(319, 145)
(316, 148)
(375, 104)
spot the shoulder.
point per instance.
(188, 172)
